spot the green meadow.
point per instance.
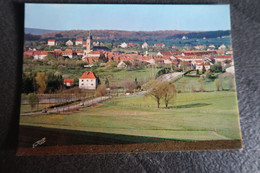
(191, 116)
(114, 75)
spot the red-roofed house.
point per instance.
(68, 82)
(88, 80)
(161, 45)
(222, 58)
(40, 55)
(28, 54)
(51, 43)
(79, 42)
(131, 44)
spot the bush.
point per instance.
(101, 91)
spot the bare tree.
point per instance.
(218, 84)
(169, 92)
(162, 90)
(33, 100)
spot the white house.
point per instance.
(145, 45)
(88, 81)
(222, 47)
(39, 55)
(200, 67)
(167, 61)
(184, 38)
(51, 43)
(211, 47)
(69, 43)
(123, 45)
(79, 42)
(121, 65)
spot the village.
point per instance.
(201, 58)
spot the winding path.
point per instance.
(71, 107)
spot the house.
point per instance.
(161, 45)
(211, 47)
(51, 43)
(131, 44)
(121, 65)
(69, 43)
(200, 67)
(88, 80)
(184, 38)
(123, 45)
(222, 47)
(145, 45)
(79, 42)
(167, 61)
(68, 82)
(28, 54)
(69, 53)
(39, 55)
(222, 58)
(199, 47)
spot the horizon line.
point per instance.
(127, 30)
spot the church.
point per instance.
(88, 53)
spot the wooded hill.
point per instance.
(118, 35)
(115, 34)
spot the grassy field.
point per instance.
(185, 84)
(193, 116)
(115, 75)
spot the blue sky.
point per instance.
(127, 17)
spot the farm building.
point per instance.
(69, 82)
(88, 80)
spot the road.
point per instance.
(71, 107)
(170, 76)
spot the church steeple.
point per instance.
(88, 43)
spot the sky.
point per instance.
(127, 17)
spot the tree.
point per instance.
(101, 91)
(41, 79)
(169, 92)
(201, 81)
(183, 65)
(162, 90)
(130, 85)
(33, 100)
(203, 69)
(107, 83)
(218, 84)
(216, 67)
(58, 35)
(156, 93)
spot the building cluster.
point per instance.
(196, 59)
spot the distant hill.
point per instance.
(206, 34)
(120, 36)
(116, 34)
(36, 31)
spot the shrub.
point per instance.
(101, 91)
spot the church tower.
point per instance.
(88, 43)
